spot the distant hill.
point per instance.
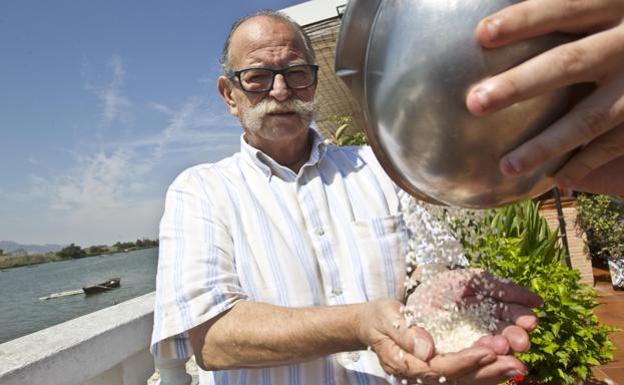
(10, 246)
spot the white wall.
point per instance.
(313, 11)
(105, 347)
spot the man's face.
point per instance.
(280, 114)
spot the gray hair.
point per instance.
(307, 43)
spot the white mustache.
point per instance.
(269, 106)
(254, 117)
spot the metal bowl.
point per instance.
(410, 65)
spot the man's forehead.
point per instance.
(262, 31)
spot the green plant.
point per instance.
(602, 218)
(340, 136)
(515, 242)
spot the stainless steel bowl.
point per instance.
(410, 64)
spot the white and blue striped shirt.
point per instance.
(247, 228)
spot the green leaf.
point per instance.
(592, 361)
(581, 371)
(555, 328)
(550, 348)
(340, 130)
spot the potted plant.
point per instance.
(602, 218)
(341, 137)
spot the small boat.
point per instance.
(109, 284)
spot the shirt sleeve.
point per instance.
(197, 278)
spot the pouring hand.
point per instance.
(596, 123)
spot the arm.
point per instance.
(596, 123)
(253, 334)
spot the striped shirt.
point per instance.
(247, 228)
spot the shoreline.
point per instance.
(9, 262)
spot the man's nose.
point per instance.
(280, 90)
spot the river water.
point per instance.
(22, 312)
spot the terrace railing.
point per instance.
(107, 347)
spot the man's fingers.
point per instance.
(417, 341)
(585, 60)
(397, 361)
(594, 116)
(504, 291)
(497, 343)
(450, 365)
(401, 363)
(528, 19)
(503, 368)
(456, 364)
(517, 337)
(519, 315)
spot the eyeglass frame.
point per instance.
(275, 72)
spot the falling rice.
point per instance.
(453, 324)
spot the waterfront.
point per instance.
(21, 311)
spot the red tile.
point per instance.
(611, 312)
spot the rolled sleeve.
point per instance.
(197, 278)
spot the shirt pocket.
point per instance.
(382, 246)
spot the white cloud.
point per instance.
(115, 104)
(161, 107)
(105, 197)
(116, 192)
(198, 125)
(196, 120)
(109, 178)
(101, 180)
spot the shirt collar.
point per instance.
(270, 167)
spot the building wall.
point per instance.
(577, 241)
(333, 96)
(313, 11)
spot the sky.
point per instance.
(102, 104)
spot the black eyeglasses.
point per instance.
(258, 80)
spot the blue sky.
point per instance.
(103, 104)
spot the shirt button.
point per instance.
(354, 356)
(320, 231)
(337, 291)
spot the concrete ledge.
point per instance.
(80, 349)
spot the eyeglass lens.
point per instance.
(261, 79)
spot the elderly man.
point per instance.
(283, 263)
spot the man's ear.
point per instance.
(225, 89)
